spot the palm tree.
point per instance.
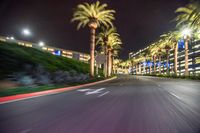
(93, 15)
(153, 52)
(161, 53)
(114, 55)
(170, 40)
(146, 55)
(165, 44)
(114, 45)
(110, 40)
(189, 16)
(116, 63)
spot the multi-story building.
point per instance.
(56, 51)
(193, 61)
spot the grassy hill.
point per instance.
(13, 58)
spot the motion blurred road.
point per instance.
(128, 104)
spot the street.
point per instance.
(128, 104)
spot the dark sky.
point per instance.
(139, 22)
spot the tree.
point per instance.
(153, 54)
(146, 55)
(92, 15)
(110, 40)
(189, 15)
(170, 40)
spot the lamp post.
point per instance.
(26, 32)
(186, 35)
(41, 44)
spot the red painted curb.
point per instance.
(47, 92)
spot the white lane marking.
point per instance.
(83, 90)
(175, 95)
(104, 94)
(95, 91)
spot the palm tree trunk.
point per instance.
(175, 57)
(112, 59)
(167, 61)
(139, 68)
(136, 69)
(92, 49)
(150, 67)
(144, 65)
(106, 63)
(109, 63)
(186, 57)
(154, 64)
(132, 66)
(159, 64)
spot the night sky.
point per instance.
(139, 22)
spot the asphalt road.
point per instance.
(128, 104)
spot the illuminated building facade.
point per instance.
(56, 51)
(193, 61)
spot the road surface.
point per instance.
(128, 104)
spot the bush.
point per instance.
(15, 58)
(194, 77)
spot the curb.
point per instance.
(18, 97)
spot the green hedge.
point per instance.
(195, 77)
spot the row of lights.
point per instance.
(185, 33)
(26, 32)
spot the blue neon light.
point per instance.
(181, 44)
(57, 52)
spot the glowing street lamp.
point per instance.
(41, 44)
(26, 32)
(12, 38)
(186, 33)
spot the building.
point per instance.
(193, 61)
(56, 51)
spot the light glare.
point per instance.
(41, 43)
(26, 32)
(186, 32)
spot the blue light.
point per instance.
(158, 64)
(57, 52)
(165, 64)
(148, 63)
(181, 44)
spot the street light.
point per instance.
(41, 44)
(186, 33)
(26, 32)
(12, 38)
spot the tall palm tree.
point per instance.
(153, 54)
(165, 44)
(114, 55)
(188, 16)
(92, 15)
(147, 54)
(170, 40)
(110, 40)
(114, 45)
(116, 63)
